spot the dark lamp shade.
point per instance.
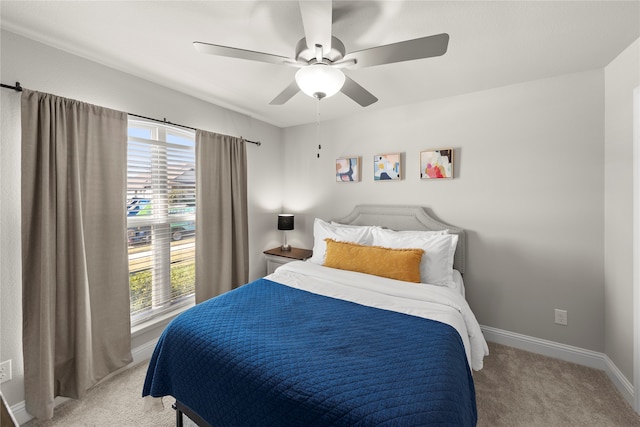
(285, 222)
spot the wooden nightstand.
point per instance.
(276, 257)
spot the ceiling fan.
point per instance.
(321, 57)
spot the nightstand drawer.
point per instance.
(274, 262)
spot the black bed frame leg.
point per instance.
(179, 420)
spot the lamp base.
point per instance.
(285, 248)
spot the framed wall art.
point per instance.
(348, 169)
(387, 167)
(436, 164)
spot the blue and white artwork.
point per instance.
(387, 167)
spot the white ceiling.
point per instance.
(492, 44)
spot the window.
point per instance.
(161, 214)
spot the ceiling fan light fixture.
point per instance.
(320, 80)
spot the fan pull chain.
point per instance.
(318, 127)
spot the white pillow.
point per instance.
(339, 232)
(416, 233)
(436, 267)
(458, 283)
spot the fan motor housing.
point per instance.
(305, 54)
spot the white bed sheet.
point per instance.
(458, 283)
(427, 301)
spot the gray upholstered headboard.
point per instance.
(406, 218)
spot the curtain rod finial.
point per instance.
(258, 143)
(17, 87)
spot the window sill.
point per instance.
(155, 322)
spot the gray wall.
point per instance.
(42, 68)
(528, 187)
(622, 76)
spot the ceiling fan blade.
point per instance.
(356, 92)
(232, 52)
(425, 47)
(286, 94)
(316, 20)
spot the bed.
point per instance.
(318, 344)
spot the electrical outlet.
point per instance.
(5, 371)
(561, 317)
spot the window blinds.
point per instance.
(161, 209)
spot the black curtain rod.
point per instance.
(166, 122)
(18, 88)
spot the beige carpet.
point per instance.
(515, 388)
(518, 388)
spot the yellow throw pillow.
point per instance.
(399, 264)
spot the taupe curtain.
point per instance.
(222, 241)
(76, 325)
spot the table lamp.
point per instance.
(285, 223)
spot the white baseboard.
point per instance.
(624, 386)
(142, 353)
(139, 354)
(20, 413)
(580, 356)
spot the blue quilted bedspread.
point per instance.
(266, 354)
